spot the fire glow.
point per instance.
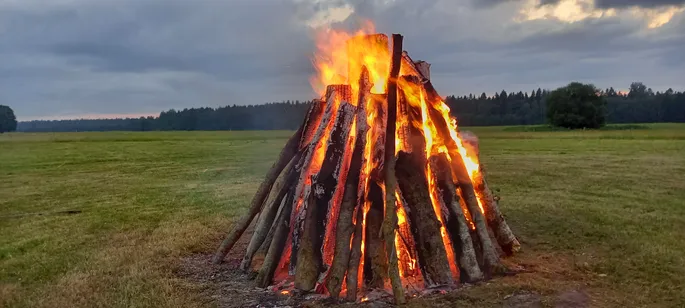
(326, 222)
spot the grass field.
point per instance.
(599, 211)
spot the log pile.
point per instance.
(375, 191)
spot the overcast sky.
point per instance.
(93, 58)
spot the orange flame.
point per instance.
(341, 55)
(339, 59)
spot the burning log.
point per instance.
(424, 224)
(376, 260)
(505, 237)
(324, 186)
(334, 95)
(390, 222)
(469, 270)
(491, 261)
(351, 198)
(355, 254)
(263, 191)
(376, 156)
(413, 182)
(312, 120)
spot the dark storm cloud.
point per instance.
(75, 57)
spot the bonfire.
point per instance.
(377, 190)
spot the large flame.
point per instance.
(340, 56)
(339, 59)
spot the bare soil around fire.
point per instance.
(129, 219)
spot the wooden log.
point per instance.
(408, 267)
(324, 185)
(351, 199)
(456, 225)
(433, 262)
(408, 67)
(334, 95)
(375, 257)
(491, 262)
(424, 68)
(312, 120)
(273, 255)
(255, 207)
(503, 234)
(355, 253)
(390, 221)
(271, 207)
(373, 164)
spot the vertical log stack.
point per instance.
(328, 208)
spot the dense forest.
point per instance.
(639, 105)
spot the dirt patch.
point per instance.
(543, 281)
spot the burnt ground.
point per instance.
(225, 286)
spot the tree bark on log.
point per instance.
(273, 255)
(374, 162)
(424, 68)
(457, 227)
(345, 227)
(355, 253)
(312, 120)
(375, 258)
(503, 234)
(491, 262)
(324, 187)
(271, 207)
(334, 95)
(390, 221)
(425, 226)
(287, 153)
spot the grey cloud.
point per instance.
(605, 4)
(130, 56)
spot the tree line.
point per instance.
(639, 105)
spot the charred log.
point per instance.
(324, 186)
(334, 95)
(351, 198)
(312, 120)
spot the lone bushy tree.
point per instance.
(8, 122)
(575, 106)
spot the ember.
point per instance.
(377, 190)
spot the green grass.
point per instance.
(597, 210)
